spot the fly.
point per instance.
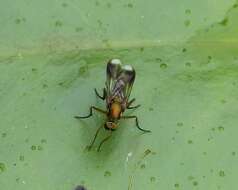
(119, 82)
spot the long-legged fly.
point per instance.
(119, 82)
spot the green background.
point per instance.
(52, 55)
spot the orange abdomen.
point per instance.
(115, 110)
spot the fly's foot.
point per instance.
(88, 148)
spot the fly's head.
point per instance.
(109, 125)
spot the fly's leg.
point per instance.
(91, 113)
(104, 140)
(104, 94)
(132, 107)
(95, 136)
(137, 123)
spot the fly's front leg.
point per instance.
(104, 93)
(137, 123)
(91, 112)
(132, 107)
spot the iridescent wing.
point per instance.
(113, 70)
(127, 76)
(119, 80)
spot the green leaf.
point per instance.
(54, 53)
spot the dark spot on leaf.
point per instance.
(107, 174)
(43, 141)
(97, 3)
(83, 70)
(130, 5)
(33, 147)
(142, 166)
(147, 152)
(80, 187)
(109, 5)
(142, 49)
(187, 23)
(176, 185)
(209, 57)
(58, 23)
(163, 66)
(223, 101)
(44, 85)
(221, 173)
(188, 11)
(195, 183)
(224, 22)
(184, 50)
(21, 158)
(188, 64)
(158, 59)
(78, 29)
(19, 20)
(64, 5)
(235, 5)
(152, 179)
(2, 167)
(220, 128)
(39, 147)
(180, 124)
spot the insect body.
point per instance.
(119, 83)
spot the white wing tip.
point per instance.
(116, 61)
(128, 67)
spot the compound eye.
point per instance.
(114, 126)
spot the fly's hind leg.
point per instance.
(95, 136)
(132, 107)
(91, 113)
(137, 123)
(104, 140)
(104, 93)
